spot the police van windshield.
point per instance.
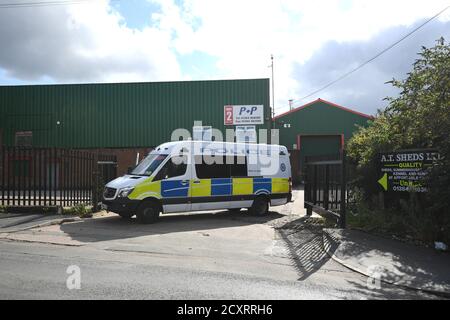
(149, 164)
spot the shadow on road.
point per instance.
(114, 227)
(303, 239)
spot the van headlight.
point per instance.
(123, 193)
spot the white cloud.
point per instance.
(243, 34)
(365, 89)
(91, 42)
(80, 43)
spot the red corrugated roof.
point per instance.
(327, 102)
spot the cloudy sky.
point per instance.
(313, 43)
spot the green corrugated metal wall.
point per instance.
(123, 114)
(320, 145)
(318, 118)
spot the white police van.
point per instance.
(202, 175)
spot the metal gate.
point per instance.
(53, 177)
(325, 186)
(106, 171)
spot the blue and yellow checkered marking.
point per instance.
(221, 187)
(201, 188)
(262, 185)
(174, 188)
(242, 186)
(280, 185)
(210, 187)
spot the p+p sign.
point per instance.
(244, 115)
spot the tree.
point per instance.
(418, 118)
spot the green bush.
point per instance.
(408, 222)
(418, 118)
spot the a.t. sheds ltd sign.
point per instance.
(405, 171)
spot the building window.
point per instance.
(24, 139)
(239, 167)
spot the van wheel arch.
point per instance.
(154, 201)
(148, 211)
(260, 205)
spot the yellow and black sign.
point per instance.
(405, 171)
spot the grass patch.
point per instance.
(80, 210)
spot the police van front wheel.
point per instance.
(148, 212)
(260, 206)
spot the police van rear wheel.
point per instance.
(148, 212)
(260, 206)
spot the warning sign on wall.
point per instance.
(246, 134)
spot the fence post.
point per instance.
(309, 211)
(2, 157)
(96, 190)
(314, 195)
(343, 208)
(326, 195)
(307, 190)
(95, 186)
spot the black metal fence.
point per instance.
(52, 176)
(326, 186)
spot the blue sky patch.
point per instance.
(137, 13)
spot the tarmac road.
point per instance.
(34, 271)
(205, 256)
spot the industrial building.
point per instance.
(126, 119)
(319, 128)
(120, 118)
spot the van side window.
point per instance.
(239, 166)
(231, 166)
(219, 169)
(175, 167)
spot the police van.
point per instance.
(202, 175)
